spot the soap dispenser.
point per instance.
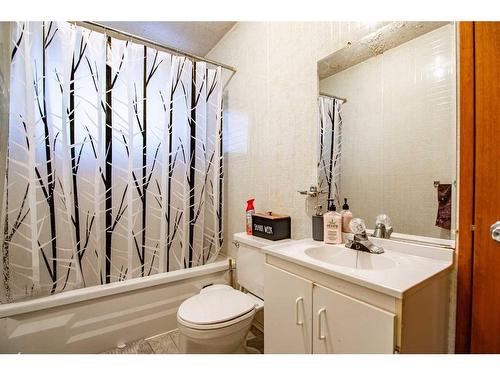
(317, 224)
(332, 220)
(346, 217)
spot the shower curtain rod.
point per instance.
(343, 100)
(91, 25)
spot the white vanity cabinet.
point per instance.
(344, 325)
(288, 319)
(303, 317)
(311, 312)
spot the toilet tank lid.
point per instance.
(255, 241)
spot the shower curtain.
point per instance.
(115, 163)
(330, 149)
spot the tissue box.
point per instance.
(271, 226)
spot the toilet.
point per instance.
(218, 318)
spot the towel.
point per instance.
(443, 219)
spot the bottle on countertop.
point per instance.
(346, 217)
(332, 224)
(249, 212)
(318, 224)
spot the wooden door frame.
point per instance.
(466, 170)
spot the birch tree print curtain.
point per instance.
(330, 148)
(115, 164)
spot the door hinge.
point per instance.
(472, 227)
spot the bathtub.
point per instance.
(98, 318)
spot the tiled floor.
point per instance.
(255, 339)
(168, 343)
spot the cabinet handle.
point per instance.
(297, 321)
(320, 334)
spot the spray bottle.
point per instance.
(249, 212)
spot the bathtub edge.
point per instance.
(99, 291)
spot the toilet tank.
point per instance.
(250, 262)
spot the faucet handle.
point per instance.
(384, 219)
(357, 226)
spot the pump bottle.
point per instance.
(332, 224)
(346, 217)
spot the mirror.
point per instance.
(387, 127)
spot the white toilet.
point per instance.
(217, 320)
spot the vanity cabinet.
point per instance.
(309, 312)
(344, 325)
(288, 319)
(302, 317)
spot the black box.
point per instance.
(271, 226)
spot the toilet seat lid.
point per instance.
(215, 304)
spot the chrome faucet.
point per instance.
(383, 227)
(358, 240)
(381, 231)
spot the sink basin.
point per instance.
(341, 256)
(403, 265)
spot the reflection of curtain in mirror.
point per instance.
(330, 147)
(115, 161)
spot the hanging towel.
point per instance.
(443, 219)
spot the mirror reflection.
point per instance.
(387, 128)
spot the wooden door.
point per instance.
(287, 312)
(344, 325)
(485, 324)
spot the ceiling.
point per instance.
(194, 37)
(389, 35)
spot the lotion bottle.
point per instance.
(346, 217)
(332, 224)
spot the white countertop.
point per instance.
(400, 268)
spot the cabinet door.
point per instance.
(287, 312)
(342, 324)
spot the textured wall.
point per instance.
(271, 120)
(399, 131)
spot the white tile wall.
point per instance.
(271, 118)
(399, 131)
